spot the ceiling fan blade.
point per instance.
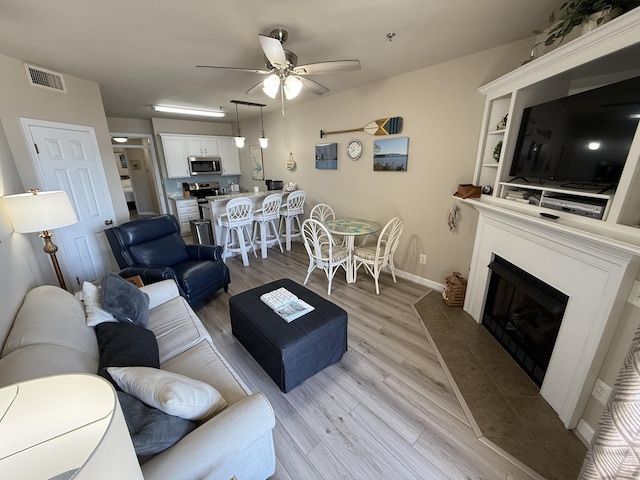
(312, 86)
(252, 70)
(327, 67)
(256, 88)
(273, 50)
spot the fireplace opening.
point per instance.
(524, 314)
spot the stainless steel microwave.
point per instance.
(205, 165)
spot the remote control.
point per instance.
(549, 215)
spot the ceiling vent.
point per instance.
(43, 78)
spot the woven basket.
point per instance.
(455, 286)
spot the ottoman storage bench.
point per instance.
(289, 352)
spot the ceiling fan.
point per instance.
(285, 76)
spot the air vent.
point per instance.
(43, 78)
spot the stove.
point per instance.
(202, 190)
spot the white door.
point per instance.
(66, 157)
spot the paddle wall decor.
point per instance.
(390, 154)
(382, 126)
(327, 156)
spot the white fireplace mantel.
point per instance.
(594, 270)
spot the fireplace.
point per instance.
(524, 314)
(593, 271)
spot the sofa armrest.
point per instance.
(213, 443)
(161, 292)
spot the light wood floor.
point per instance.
(385, 411)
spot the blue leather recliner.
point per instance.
(153, 248)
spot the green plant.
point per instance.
(575, 12)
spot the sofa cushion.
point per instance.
(43, 360)
(151, 430)
(125, 345)
(176, 327)
(92, 299)
(203, 362)
(126, 302)
(170, 392)
(51, 315)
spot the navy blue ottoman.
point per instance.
(289, 352)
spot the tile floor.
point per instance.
(504, 402)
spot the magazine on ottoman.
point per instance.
(286, 304)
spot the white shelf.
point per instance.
(491, 165)
(497, 132)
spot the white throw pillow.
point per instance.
(92, 298)
(170, 392)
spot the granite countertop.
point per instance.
(262, 193)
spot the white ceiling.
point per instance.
(144, 52)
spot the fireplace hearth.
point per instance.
(524, 314)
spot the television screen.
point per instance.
(582, 140)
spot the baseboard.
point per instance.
(438, 287)
(585, 431)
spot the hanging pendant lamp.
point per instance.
(238, 138)
(264, 142)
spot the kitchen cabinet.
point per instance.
(186, 209)
(200, 146)
(175, 156)
(230, 156)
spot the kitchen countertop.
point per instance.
(261, 193)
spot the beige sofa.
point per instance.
(49, 336)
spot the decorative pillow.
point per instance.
(124, 345)
(124, 300)
(151, 430)
(170, 392)
(92, 298)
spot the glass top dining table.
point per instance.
(349, 228)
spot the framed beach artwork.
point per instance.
(257, 167)
(390, 154)
(327, 156)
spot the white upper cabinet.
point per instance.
(175, 156)
(200, 146)
(230, 156)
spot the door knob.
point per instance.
(108, 222)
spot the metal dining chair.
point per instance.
(323, 254)
(375, 257)
(236, 223)
(265, 231)
(289, 214)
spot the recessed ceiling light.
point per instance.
(120, 139)
(189, 111)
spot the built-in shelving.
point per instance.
(606, 55)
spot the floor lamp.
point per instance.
(40, 212)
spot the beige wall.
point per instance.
(442, 110)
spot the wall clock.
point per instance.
(354, 149)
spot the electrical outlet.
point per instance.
(601, 391)
(634, 295)
(178, 184)
(423, 258)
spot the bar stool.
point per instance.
(236, 222)
(265, 218)
(289, 213)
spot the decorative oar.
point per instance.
(383, 126)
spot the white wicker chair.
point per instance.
(323, 254)
(237, 228)
(265, 231)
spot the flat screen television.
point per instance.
(581, 140)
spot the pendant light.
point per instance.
(264, 142)
(238, 138)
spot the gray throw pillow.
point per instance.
(126, 302)
(151, 430)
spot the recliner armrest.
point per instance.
(151, 274)
(204, 252)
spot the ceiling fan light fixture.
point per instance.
(188, 111)
(292, 87)
(271, 85)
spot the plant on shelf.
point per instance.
(577, 12)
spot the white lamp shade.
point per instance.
(36, 213)
(64, 426)
(239, 141)
(292, 87)
(264, 142)
(271, 85)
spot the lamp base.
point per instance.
(51, 248)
